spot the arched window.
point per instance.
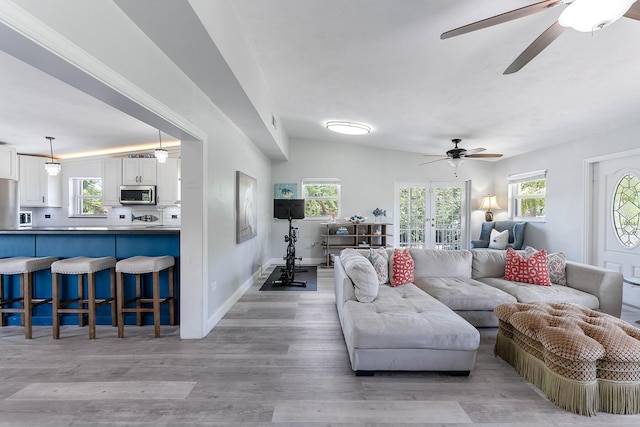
(626, 210)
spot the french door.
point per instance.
(432, 215)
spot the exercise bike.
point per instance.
(292, 210)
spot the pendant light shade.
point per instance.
(53, 168)
(161, 154)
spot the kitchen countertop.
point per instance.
(94, 230)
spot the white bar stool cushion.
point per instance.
(82, 265)
(25, 264)
(144, 264)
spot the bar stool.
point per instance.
(80, 266)
(25, 267)
(139, 266)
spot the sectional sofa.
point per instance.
(430, 324)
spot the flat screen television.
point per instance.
(288, 208)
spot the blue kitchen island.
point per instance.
(67, 242)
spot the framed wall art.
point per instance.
(285, 191)
(246, 207)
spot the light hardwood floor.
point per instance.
(277, 358)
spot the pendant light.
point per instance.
(161, 153)
(52, 167)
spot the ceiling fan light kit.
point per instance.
(581, 15)
(457, 156)
(348, 128)
(592, 15)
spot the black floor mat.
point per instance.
(306, 273)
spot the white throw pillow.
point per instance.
(380, 261)
(361, 273)
(498, 240)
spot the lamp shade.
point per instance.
(593, 15)
(489, 202)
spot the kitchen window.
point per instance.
(87, 197)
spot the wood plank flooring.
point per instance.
(277, 358)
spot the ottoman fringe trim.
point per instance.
(619, 397)
(580, 397)
(505, 349)
(576, 396)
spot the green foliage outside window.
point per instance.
(412, 216)
(529, 205)
(321, 200)
(89, 198)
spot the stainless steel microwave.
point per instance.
(137, 194)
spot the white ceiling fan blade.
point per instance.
(433, 161)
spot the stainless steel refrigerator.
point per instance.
(9, 204)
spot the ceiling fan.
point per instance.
(581, 15)
(456, 156)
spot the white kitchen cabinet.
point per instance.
(8, 163)
(168, 183)
(139, 171)
(111, 181)
(37, 188)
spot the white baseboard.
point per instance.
(219, 314)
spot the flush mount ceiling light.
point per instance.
(348, 128)
(593, 15)
(52, 167)
(161, 154)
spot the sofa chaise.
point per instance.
(430, 324)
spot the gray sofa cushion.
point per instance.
(525, 293)
(405, 317)
(464, 294)
(439, 263)
(488, 263)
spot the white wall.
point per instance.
(563, 229)
(214, 269)
(368, 176)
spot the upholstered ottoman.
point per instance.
(583, 360)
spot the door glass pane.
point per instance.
(412, 216)
(448, 218)
(626, 210)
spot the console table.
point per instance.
(358, 236)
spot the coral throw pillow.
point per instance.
(402, 267)
(527, 270)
